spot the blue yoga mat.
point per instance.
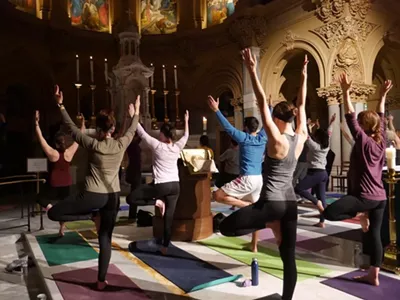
(181, 268)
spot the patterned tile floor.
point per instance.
(325, 247)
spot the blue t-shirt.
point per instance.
(251, 147)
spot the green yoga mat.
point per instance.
(269, 260)
(68, 249)
(88, 224)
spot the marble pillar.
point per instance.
(238, 112)
(333, 108)
(146, 109)
(346, 147)
(250, 106)
(359, 107)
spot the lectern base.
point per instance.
(391, 260)
(185, 230)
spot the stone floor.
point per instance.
(337, 256)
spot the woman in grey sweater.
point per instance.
(317, 176)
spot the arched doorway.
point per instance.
(290, 78)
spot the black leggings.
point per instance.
(147, 194)
(348, 206)
(254, 217)
(81, 207)
(317, 179)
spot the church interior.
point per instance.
(173, 55)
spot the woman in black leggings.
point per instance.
(164, 193)
(366, 193)
(277, 207)
(102, 186)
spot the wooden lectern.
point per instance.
(192, 219)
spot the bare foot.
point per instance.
(251, 247)
(367, 279)
(164, 250)
(48, 207)
(364, 222)
(161, 205)
(62, 228)
(102, 285)
(320, 225)
(320, 206)
(276, 229)
(96, 220)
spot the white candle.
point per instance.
(391, 157)
(204, 124)
(164, 74)
(176, 77)
(91, 70)
(152, 78)
(106, 69)
(77, 68)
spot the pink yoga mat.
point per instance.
(80, 284)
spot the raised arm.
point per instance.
(346, 85)
(181, 143)
(51, 153)
(146, 138)
(133, 111)
(301, 118)
(390, 123)
(71, 150)
(272, 130)
(238, 135)
(348, 138)
(386, 87)
(330, 126)
(82, 139)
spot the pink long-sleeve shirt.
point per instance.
(165, 156)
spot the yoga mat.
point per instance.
(350, 235)
(269, 260)
(355, 220)
(329, 201)
(67, 249)
(267, 235)
(86, 224)
(81, 284)
(389, 288)
(180, 267)
(223, 209)
(335, 195)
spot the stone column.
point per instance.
(238, 106)
(45, 9)
(346, 147)
(146, 110)
(359, 107)
(249, 99)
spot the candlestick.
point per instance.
(78, 104)
(91, 70)
(106, 70)
(77, 68)
(152, 78)
(178, 122)
(93, 117)
(176, 77)
(204, 124)
(391, 260)
(154, 125)
(164, 77)
(391, 157)
(166, 119)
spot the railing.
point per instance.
(23, 181)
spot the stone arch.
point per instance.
(272, 66)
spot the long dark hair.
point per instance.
(321, 136)
(105, 120)
(284, 111)
(166, 130)
(59, 141)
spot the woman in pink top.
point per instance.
(165, 175)
(61, 157)
(366, 193)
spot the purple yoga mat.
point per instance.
(389, 288)
(271, 238)
(80, 284)
(314, 245)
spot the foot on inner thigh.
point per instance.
(164, 250)
(320, 225)
(320, 206)
(276, 229)
(48, 207)
(364, 222)
(372, 280)
(161, 205)
(101, 285)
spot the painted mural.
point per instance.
(219, 10)
(25, 5)
(90, 14)
(158, 16)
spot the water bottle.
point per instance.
(357, 256)
(25, 268)
(254, 272)
(41, 297)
